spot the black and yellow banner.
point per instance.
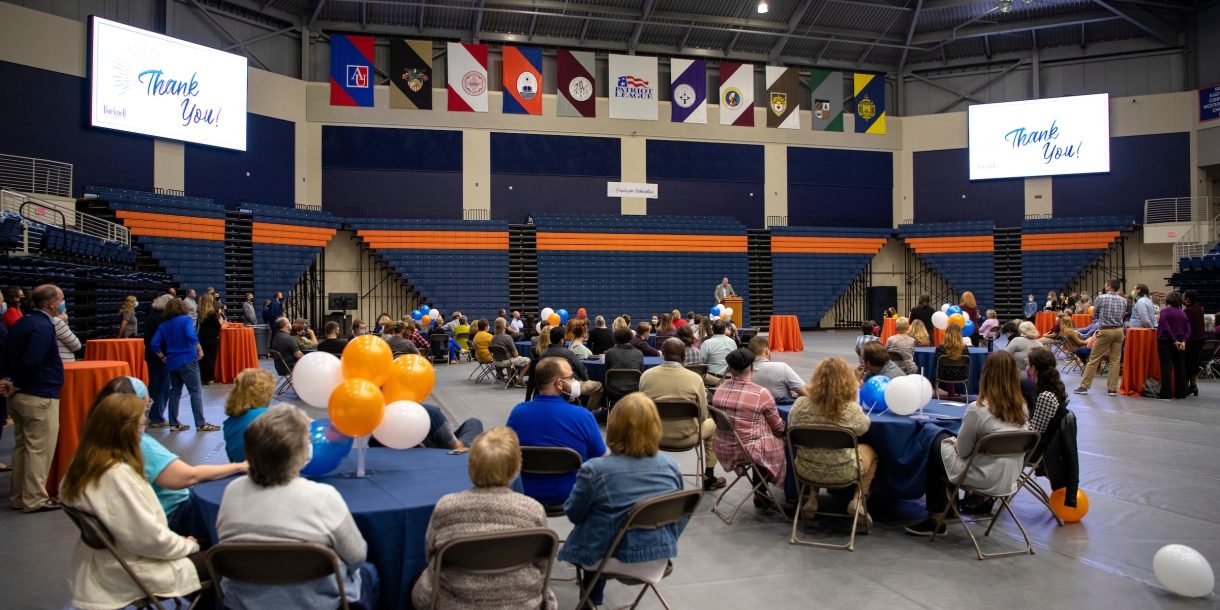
(411, 74)
(870, 103)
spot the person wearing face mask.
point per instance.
(549, 420)
(1031, 309)
(68, 343)
(127, 318)
(1143, 314)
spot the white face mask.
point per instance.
(573, 390)
(309, 452)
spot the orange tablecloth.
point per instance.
(1045, 321)
(82, 381)
(1082, 320)
(938, 336)
(889, 328)
(130, 351)
(1140, 361)
(784, 334)
(236, 353)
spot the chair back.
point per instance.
(498, 353)
(675, 411)
(496, 553)
(462, 339)
(701, 369)
(281, 367)
(438, 346)
(895, 357)
(549, 460)
(821, 437)
(622, 376)
(747, 334)
(1005, 444)
(96, 536)
(658, 511)
(273, 563)
(943, 361)
(723, 423)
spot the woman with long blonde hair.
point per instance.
(920, 333)
(952, 347)
(1000, 408)
(127, 318)
(830, 400)
(209, 338)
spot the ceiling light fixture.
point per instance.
(762, 7)
(1005, 6)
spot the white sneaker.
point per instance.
(853, 506)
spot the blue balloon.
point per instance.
(873, 392)
(968, 328)
(953, 309)
(716, 310)
(563, 316)
(330, 447)
(425, 310)
(417, 315)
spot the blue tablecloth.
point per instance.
(523, 349)
(597, 368)
(925, 359)
(901, 444)
(391, 508)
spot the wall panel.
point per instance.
(1141, 167)
(944, 192)
(702, 178)
(265, 170)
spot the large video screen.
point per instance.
(1053, 137)
(159, 86)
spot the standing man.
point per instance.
(37, 374)
(192, 309)
(1108, 311)
(247, 310)
(1143, 314)
(277, 308)
(724, 290)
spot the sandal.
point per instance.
(160, 424)
(180, 428)
(208, 428)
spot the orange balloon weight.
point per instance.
(1067, 513)
(554, 319)
(356, 407)
(367, 357)
(411, 378)
(957, 319)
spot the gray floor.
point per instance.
(1150, 469)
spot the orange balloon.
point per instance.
(367, 357)
(554, 319)
(1067, 513)
(356, 407)
(411, 378)
(426, 321)
(957, 319)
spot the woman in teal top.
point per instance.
(169, 476)
(252, 392)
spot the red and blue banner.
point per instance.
(351, 70)
(522, 80)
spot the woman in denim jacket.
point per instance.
(607, 487)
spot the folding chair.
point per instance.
(963, 360)
(96, 536)
(551, 461)
(998, 444)
(484, 370)
(281, 368)
(438, 347)
(1073, 363)
(468, 353)
(825, 437)
(616, 376)
(1029, 481)
(701, 369)
(896, 357)
(273, 563)
(677, 411)
(647, 514)
(498, 354)
(747, 334)
(496, 553)
(1209, 360)
(724, 424)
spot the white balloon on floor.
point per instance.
(404, 425)
(315, 376)
(1183, 570)
(903, 394)
(940, 320)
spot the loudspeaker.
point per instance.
(342, 300)
(881, 298)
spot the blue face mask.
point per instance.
(3, 308)
(63, 306)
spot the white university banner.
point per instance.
(633, 87)
(736, 94)
(467, 76)
(688, 90)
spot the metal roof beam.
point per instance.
(685, 37)
(478, 20)
(910, 32)
(639, 27)
(793, 22)
(945, 36)
(1143, 20)
(316, 9)
(258, 38)
(203, 11)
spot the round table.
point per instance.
(130, 351)
(938, 336)
(889, 328)
(1081, 320)
(1045, 321)
(597, 368)
(524, 348)
(925, 359)
(237, 352)
(82, 381)
(902, 445)
(1140, 360)
(784, 334)
(391, 508)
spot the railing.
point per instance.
(353, 211)
(41, 176)
(40, 211)
(1187, 246)
(1179, 209)
(149, 189)
(311, 207)
(777, 221)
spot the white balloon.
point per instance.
(925, 390)
(902, 395)
(728, 312)
(940, 320)
(538, 327)
(546, 313)
(315, 376)
(1183, 570)
(404, 425)
(945, 307)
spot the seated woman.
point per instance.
(1050, 404)
(1025, 341)
(953, 346)
(251, 395)
(665, 328)
(919, 333)
(1000, 408)
(169, 476)
(830, 400)
(104, 479)
(1072, 339)
(904, 344)
(304, 336)
(607, 487)
(495, 460)
(274, 504)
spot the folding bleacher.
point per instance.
(963, 253)
(286, 242)
(1054, 251)
(812, 267)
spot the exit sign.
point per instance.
(1170, 234)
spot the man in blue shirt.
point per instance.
(1143, 315)
(551, 421)
(36, 375)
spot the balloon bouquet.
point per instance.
(900, 396)
(720, 312)
(422, 315)
(552, 317)
(952, 314)
(367, 392)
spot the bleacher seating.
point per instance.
(1201, 274)
(285, 243)
(963, 253)
(1054, 251)
(609, 265)
(812, 267)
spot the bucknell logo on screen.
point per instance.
(358, 77)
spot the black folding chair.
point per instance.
(496, 553)
(724, 424)
(647, 514)
(273, 563)
(701, 369)
(825, 437)
(284, 371)
(438, 347)
(677, 411)
(552, 461)
(512, 373)
(963, 360)
(96, 536)
(620, 376)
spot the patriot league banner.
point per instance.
(467, 75)
(577, 85)
(870, 103)
(783, 98)
(827, 96)
(736, 94)
(688, 92)
(633, 87)
(411, 74)
(351, 70)
(522, 80)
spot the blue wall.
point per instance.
(840, 188)
(558, 174)
(942, 177)
(46, 115)
(384, 172)
(269, 161)
(1141, 167)
(707, 179)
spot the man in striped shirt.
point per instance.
(1108, 312)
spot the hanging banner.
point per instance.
(783, 98)
(351, 70)
(411, 74)
(827, 100)
(736, 94)
(576, 86)
(633, 87)
(688, 90)
(870, 103)
(467, 76)
(522, 85)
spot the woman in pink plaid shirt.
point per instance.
(752, 409)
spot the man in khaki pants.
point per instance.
(36, 376)
(1108, 310)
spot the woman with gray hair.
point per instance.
(272, 503)
(600, 337)
(158, 377)
(1025, 340)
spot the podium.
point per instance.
(734, 303)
